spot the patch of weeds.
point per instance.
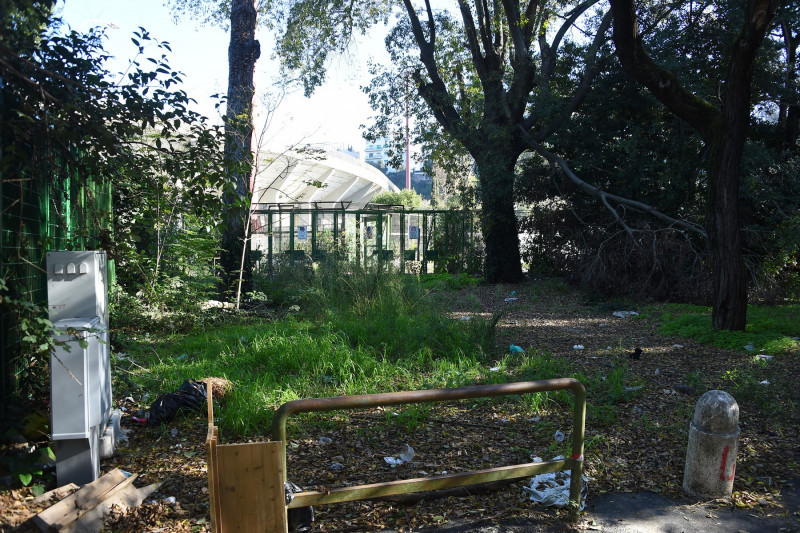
(409, 417)
(696, 380)
(448, 282)
(745, 385)
(769, 329)
(601, 414)
(557, 285)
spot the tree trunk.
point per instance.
(243, 52)
(724, 130)
(498, 220)
(724, 237)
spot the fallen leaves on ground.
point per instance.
(641, 448)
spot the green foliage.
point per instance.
(29, 466)
(70, 130)
(770, 330)
(450, 282)
(405, 197)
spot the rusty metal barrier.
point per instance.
(362, 492)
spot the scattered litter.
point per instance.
(174, 432)
(749, 347)
(578, 347)
(139, 419)
(511, 299)
(677, 346)
(657, 372)
(465, 318)
(552, 489)
(444, 472)
(182, 357)
(764, 357)
(494, 369)
(122, 356)
(668, 391)
(123, 435)
(624, 314)
(325, 440)
(405, 456)
(603, 325)
(535, 419)
(515, 349)
(129, 399)
(337, 467)
(513, 293)
(608, 348)
(170, 500)
(765, 382)
(633, 389)
(559, 436)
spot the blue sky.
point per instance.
(332, 115)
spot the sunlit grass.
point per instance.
(769, 330)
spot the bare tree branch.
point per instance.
(585, 85)
(604, 196)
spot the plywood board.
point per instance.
(213, 481)
(250, 488)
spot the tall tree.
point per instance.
(243, 52)
(723, 130)
(240, 16)
(477, 76)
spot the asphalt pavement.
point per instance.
(648, 512)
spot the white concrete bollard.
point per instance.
(713, 444)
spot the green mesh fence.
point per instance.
(53, 210)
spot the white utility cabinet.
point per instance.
(80, 368)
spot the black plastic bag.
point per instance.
(299, 518)
(190, 396)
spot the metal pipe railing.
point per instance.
(574, 463)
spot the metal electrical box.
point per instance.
(77, 285)
(80, 368)
(77, 377)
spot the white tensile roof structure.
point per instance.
(309, 175)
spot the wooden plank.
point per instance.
(250, 486)
(213, 481)
(92, 520)
(58, 493)
(407, 486)
(55, 517)
(211, 463)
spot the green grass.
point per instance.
(771, 330)
(354, 333)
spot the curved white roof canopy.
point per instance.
(309, 175)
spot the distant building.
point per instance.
(376, 154)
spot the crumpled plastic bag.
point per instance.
(405, 456)
(552, 489)
(299, 518)
(191, 396)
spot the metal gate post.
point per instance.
(359, 492)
